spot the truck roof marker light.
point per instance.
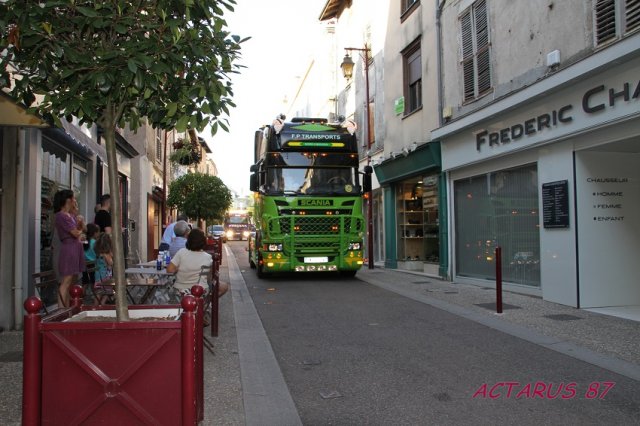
(350, 125)
(278, 124)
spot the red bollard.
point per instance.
(188, 319)
(499, 279)
(77, 294)
(198, 291)
(32, 364)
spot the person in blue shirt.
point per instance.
(179, 242)
(169, 234)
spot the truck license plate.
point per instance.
(316, 259)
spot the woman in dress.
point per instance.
(71, 257)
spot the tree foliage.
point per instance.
(200, 196)
(117, 62)
(166, 60)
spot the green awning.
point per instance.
(425, 158)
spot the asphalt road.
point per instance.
(352, 353)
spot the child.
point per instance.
(88, 278)
(104, 262)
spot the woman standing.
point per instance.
(71, 256)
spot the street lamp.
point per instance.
(347, 70)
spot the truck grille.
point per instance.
(315, 225)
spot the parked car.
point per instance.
(218, 232)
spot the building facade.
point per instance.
(541, 146)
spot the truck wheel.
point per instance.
(260, 271)
(348, 274)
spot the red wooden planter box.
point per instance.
(108, 372)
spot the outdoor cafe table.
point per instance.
(160, 277)
(148, 286)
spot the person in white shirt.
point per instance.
(188, 262)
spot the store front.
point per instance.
(412, 186)
(552, 176)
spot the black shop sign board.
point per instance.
(555, 204)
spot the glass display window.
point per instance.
(418, 224)
(499, 209)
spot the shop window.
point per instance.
(498, 209)
(476, 57)
(613, 18)
(418, 224)
(412, 61)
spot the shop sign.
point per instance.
(594, 100)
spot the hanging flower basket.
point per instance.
(185, 153)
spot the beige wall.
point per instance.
(522, 33)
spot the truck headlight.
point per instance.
(354, 246)
(229, 234)
(246, 234)
(275, 247)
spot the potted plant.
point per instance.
(168, 65)
(165, 64)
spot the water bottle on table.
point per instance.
(159, 262)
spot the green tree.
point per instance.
(116, 63)
(200, 196)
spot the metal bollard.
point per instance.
(498, 257)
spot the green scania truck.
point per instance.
(308, 198)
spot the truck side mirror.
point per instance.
(253, 168)
(253, 182)
(366, 180)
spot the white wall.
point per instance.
(608, 228)
(558, 245)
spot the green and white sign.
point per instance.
(398, 105)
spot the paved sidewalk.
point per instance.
(606, 341)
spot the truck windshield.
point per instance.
(312, 181)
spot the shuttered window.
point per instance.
(475, 51)
(613, 18)
(632, 14)
(412, 61)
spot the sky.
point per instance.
(282, 34)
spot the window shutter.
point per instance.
(467, 39)
(484, 71)
(482, 30)
(605, 14)
(469, 80)
(632, 14)
(467, 56)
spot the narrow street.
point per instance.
(352, 353)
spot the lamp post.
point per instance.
(347, 70)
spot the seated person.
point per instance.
(188, 262)
(181, 229)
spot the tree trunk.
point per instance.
(109, 128)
